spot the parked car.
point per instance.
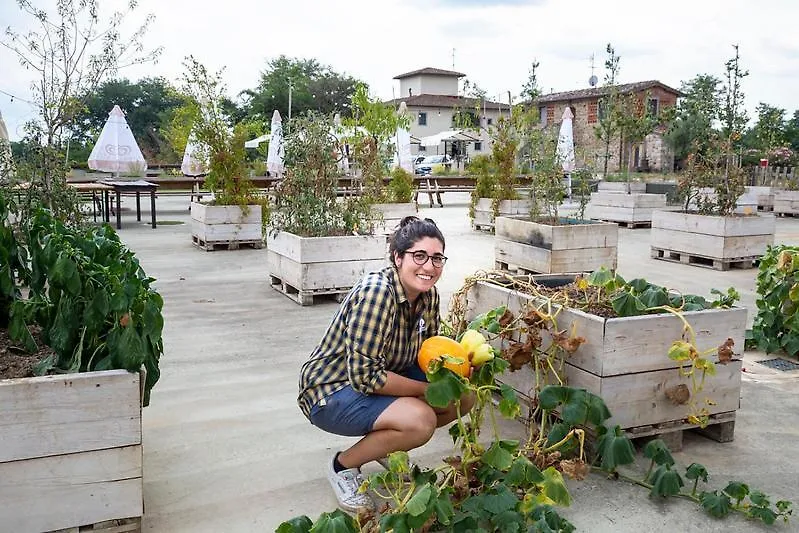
(433, 163)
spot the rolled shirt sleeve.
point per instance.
(371, 315)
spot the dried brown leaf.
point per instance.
(678, 394)
(725, 351)
(518, 355)
(570, 344)
(534, 317)
(575, 468)
(506, 318)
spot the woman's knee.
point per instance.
(410, 416)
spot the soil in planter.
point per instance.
(15, 362)
(566, 293)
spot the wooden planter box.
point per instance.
(623, 187)
(786, 202)
(633, 209)
(484, 214)
(746, 204)
(764, 196)
(70, 450)
(625, 361)
(304, 267)
(711, 241)
(392, 216)
(541, 248)
(216, 227)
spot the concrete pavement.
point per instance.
(227, 449)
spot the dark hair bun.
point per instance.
(408, 220)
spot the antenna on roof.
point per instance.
(592, 81)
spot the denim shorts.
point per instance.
(352, 414)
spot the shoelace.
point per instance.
(352, 483)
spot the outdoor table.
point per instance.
(100, 197)
(137, 186)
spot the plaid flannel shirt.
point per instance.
(372, 332)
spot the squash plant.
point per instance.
(86, 291)
(510, 485)
(776, 326)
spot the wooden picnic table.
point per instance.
(138, 187)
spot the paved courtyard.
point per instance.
(227, 449)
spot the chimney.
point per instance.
(410, 91)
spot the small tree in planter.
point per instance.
(542, 241)
(707, 231)
(508, 135)
(373, 125)
(236, 214)
(318, 244)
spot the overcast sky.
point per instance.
(494, 42)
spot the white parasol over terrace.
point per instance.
(194, 159)
(565, 150)
(274, 157)
(116, 150)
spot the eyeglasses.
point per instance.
(420, 257)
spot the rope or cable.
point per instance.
(15, 97)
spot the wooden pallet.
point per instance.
(514, 269)
(706, 262)
(483, 227)
(122, 525)
(765, 208)
(627, 224)
(226, 245)
(307, 297)
(721, 428)
(786, 214)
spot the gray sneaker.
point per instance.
(345, 484)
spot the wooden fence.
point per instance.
(780, 177)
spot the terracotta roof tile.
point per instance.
(594, 92)
(430, 71)
(447, 101)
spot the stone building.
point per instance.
(652, 154)
(432, 98)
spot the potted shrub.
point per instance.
(501, 197)
(86, 321)
(542, 241)
(235, 215)
(708, 231)
(371, 129)
(318, 243)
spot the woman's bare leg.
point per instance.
(405, 424)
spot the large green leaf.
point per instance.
(665, 481)
(523, 473)
(737, 490)
(548, 520)
(657, 450)
(639, 285)
(443, 507)
(336, 522)
(421, 500)
(498, 457)
(614, 448)
(654, 297)
(715, 504)
(298, 524)
(763, 513)
(696, 471)
(509, 404)
(446, 389)
(555, 487)
(625, 304)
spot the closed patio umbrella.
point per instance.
(274, 157)
(5, 150)
(116, 150)
(565, 150)
(194, 160)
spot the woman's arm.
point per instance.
(397, 385)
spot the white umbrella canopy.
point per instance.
(194, 160)
(274, 158)
(449, 136)
(254, 143)
(402, 144)
(565, 149)
(116, 149)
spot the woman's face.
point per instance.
(417, 279)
